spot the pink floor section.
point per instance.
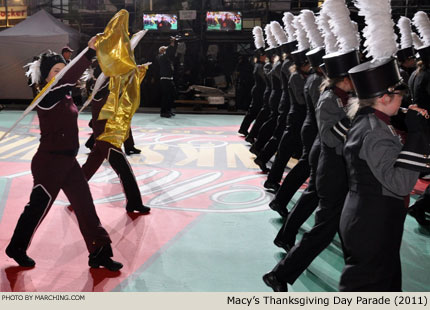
(59, 250)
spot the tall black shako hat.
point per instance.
(405, 54)
(299, 57)
(47, 61)
(289, 47)
(375, 78)
(315, 56)
(337, 64)
(424, 53)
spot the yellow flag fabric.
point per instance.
(117, 62)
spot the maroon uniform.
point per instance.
(55, 167)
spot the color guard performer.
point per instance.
(54, 166)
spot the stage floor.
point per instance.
(209, 230)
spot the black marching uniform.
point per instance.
(291, 137)
(300, 172)
(331, 184)
(271, 146)
(269, 125)
(419, 85)
(257, 98)
(264, 113)
(371, 226)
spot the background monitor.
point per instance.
(223, 20)
(160, 22)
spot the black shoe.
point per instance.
(249, 139)
(243, 132)
(272, 185)
(272, 281)
(141, 209)
(102, 257)
(287, 245)
(278, 208)
(254, 150)
(133, 150)
(419, 214)
(261, 164)
(20, 257)
(167, 115)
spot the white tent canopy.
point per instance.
(18, 45)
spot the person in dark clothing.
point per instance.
(283, 107)
(256, 92)
(331, 175)
(296, 115)
(168, 92)
(163, 24)
(407, 64)
(104, 150)
(269, 125)
(264, 112)
(300, 172)
(244, 83)
(54, 167)
(419, 85)
(382, 171)
(227, 23)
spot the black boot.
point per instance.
(20, 257)
(272, 281)
(102, 257)
(141, 209)
(275, 206)
(272, 185)
(417, 211)
(261, 164)
(132, 150)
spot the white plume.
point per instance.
(357, 33)
(258, 37)
(379, 31)
(289, 26)
(270, 38)
(341, 25)
(330, 42)
(86, 76)
(300, 35)
(404, 25)
(136, 38)
(307, 19)
(278, 32)
(422, 23)
(33, 71)
(417, 41)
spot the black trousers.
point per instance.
(104, 150)
(262, 116)
(254, 109)
(168, 93)
(289, 141)
(332, 188)
(306, 204)
(300, 172)
(371, 228)
(423, 201)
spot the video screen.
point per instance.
(161, 22)
(224, 21)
